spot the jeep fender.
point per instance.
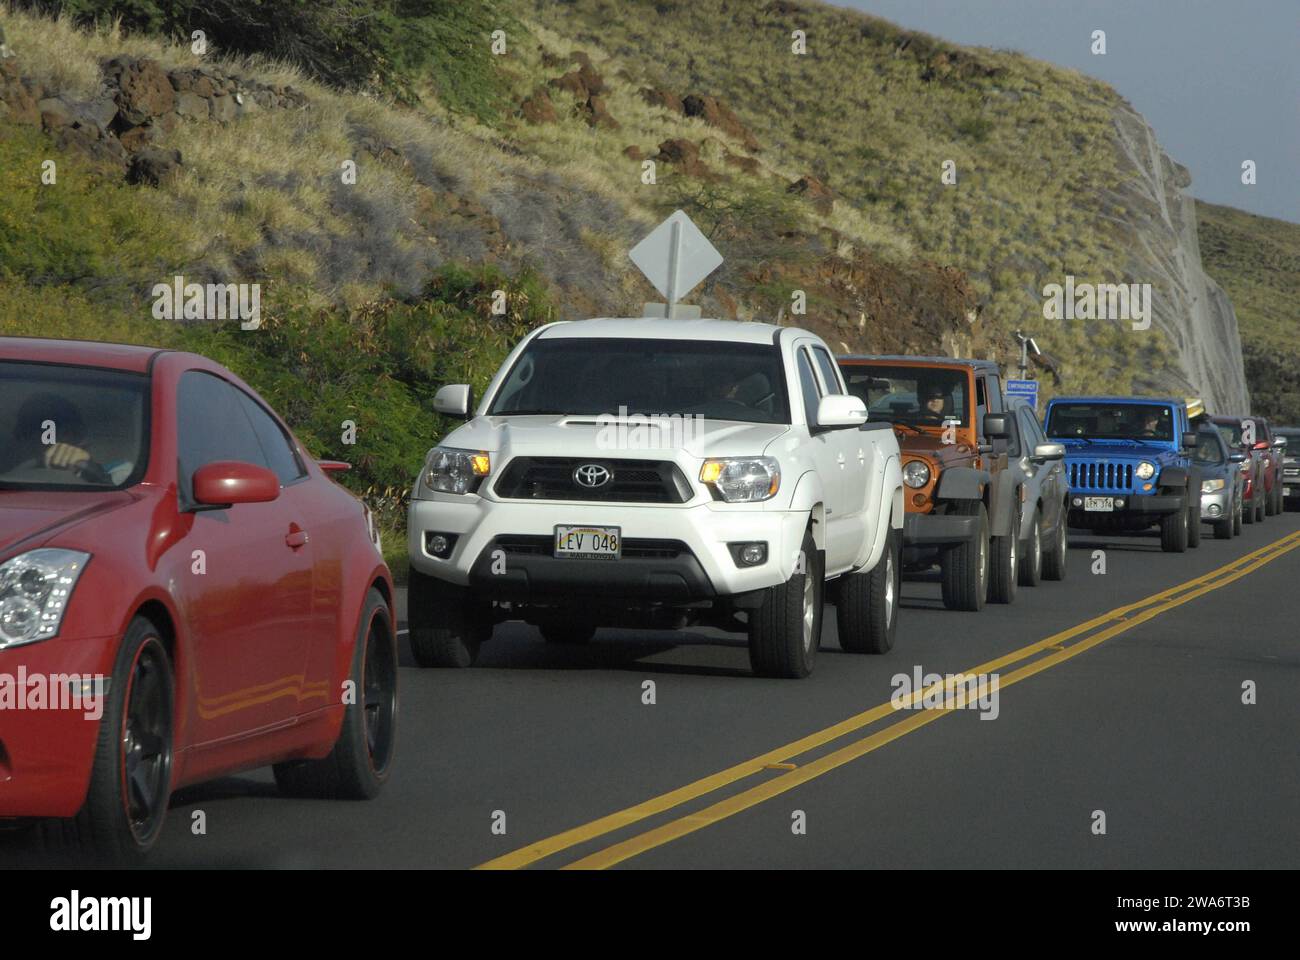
(1003, 505)
(888, 513)
(1173, 477)
(962, 483)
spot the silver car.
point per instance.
(1222, 482)
(1040, 468)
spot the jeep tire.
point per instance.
(1174, 530)
(965, 568)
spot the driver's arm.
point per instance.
(64, 456)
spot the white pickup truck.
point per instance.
(659, 473)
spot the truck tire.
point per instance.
(866, 611)
(447, 625)
(965, 568)
(1057, 549)
(785, 631)
(1031, 553)
(1173, 531)
(1194, 523)
(1004, 566)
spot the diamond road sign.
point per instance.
(675, 257)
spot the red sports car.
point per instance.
(184, 593)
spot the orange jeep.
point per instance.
(963, 508)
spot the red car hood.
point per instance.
(28, 519)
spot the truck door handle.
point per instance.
(862, 455)
(840, 459)
(296, 538)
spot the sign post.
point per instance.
(675, 257)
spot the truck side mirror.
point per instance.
(996, 426)
(455, 400)
(841, 410)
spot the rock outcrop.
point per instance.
(1193, 312)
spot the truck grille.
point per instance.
(1101, 476)
(633, 481)
(634, 548)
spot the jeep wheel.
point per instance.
(1194, 524)
(866, 611)
(965, 568)
(1173, 531)
(1004, 569)
(785, 631)
(1057, 550)
(447, 625)
(1031, 554)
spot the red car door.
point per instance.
(247, 592)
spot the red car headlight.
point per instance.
(34, 591)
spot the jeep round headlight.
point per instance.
(34, 591)
(916, 473)
(1145, 470)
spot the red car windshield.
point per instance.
(71, 428)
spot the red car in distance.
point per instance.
(184, 594)
(1263, 492)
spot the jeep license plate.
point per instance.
(588, 543)
(1098, 504)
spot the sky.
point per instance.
(1218, 80)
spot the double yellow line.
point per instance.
(1106, 626)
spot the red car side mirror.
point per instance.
(224, 483)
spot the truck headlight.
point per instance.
(34, 592)
(743, 479)
(1145, 470)
(916, 473)
(449, 470)
(1210, 486)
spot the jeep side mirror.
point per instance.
(1190, 440)
(996, 426)
(455, 400)
(1047, 452)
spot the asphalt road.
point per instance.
(1138, 716)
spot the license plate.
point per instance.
(1098, 504)
(588, 543)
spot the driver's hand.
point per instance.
(64, 456)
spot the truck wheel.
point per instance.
(447, 625)
(572, 631)
(1031, 554)
(1057, 549)
(358, 766)
(1004, 568)
(1173, 531)
(1194, 524)
(965, 568)
(866, 611)
(785, 631)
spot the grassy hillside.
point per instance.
(1257, 261)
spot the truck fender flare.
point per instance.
(809, 497)
(888, 513)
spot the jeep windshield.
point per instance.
(914, 396)
(620, 377)
(1139, 422)
(71, 428)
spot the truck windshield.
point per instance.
(1112, 421)
(71, 428)
(911, 395)
(717, 380)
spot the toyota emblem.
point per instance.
(592, 476)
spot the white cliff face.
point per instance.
(1189, 308)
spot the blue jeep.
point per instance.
(1129, 464)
